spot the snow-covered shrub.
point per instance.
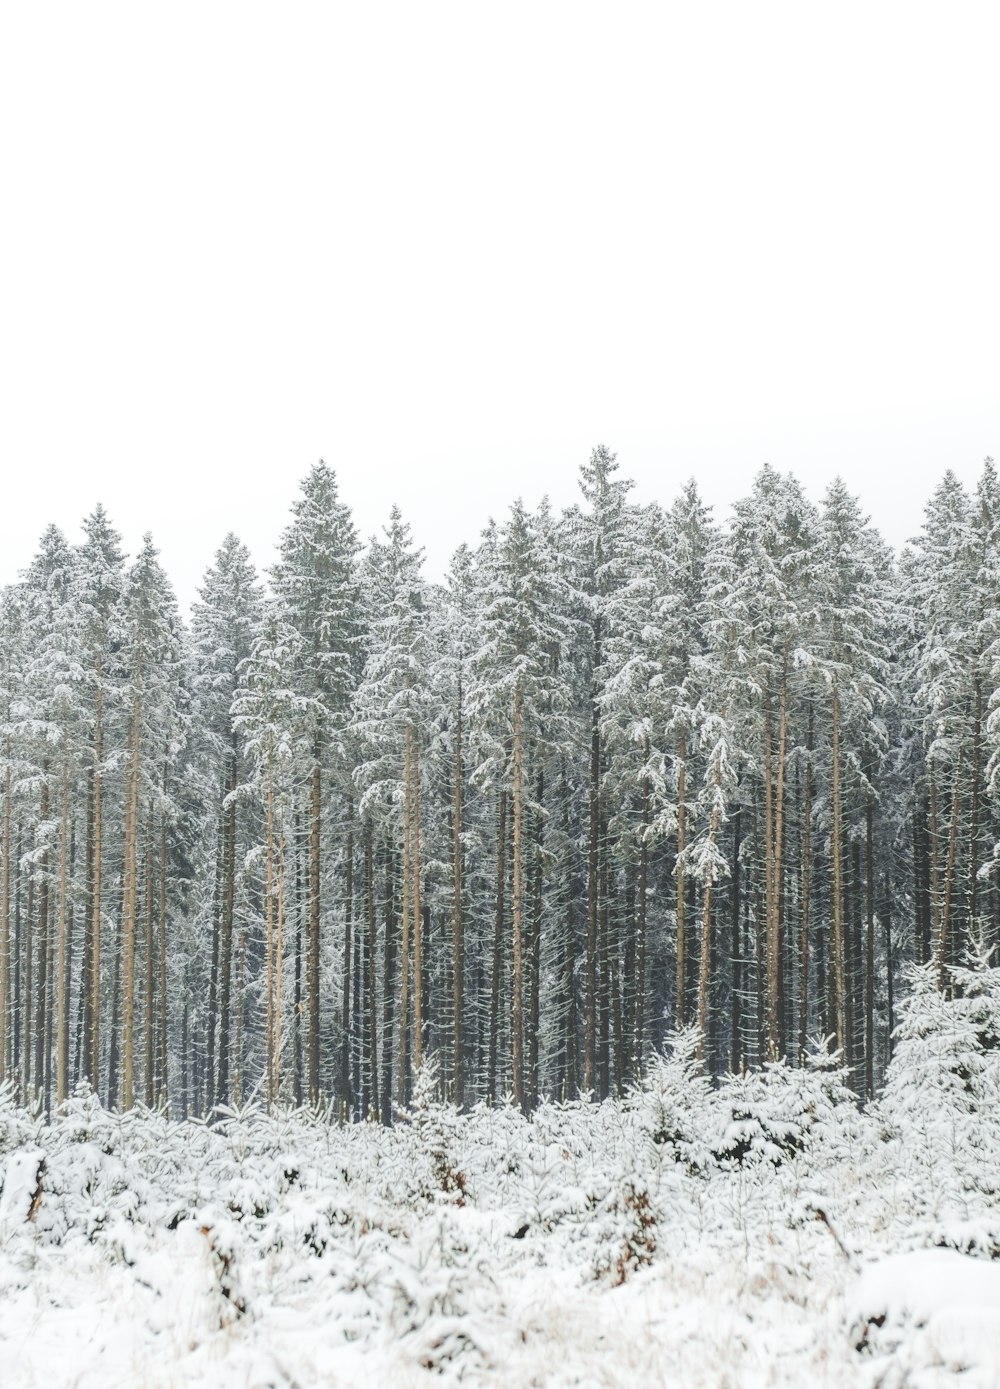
(940, 1110)
(673, 1104)
(435, 1125)
(625, 1226)
(775, 1113)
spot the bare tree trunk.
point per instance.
(6, 1019)
(388, 988)
(163, 1083)
(312, 952)
(774, 1028)
(517, 1018)
(501, 877)
(806, 903)
(949, 876)
(870, 949)
(404, 948)
(149, 967)
(269, 947)
(370, 979)
(705, 958)
(96, 868)
(837, 964)
(62, 995)
(345, 1005)
(418, 919)
(129, 902)
(457, 925)
(590, 1004)
(642, 894)
(679, 925)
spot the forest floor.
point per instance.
(675, 1240)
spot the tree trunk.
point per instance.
(517, 902)
(498, 923)
(590, 1005)
(837, 964)
(402, 1079)
(6, 1018)
(457, 925)
(943, 940)
(870, 949)
(312, 955)
(370, 979)
(806, 903)
(129, 904)
(680, 1013)
(345, 1006)
(96, 868)
(418, 919)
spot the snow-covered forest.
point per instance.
(514, 976)
(628, 769)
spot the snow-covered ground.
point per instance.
(763, 1233)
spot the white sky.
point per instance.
(448, 248)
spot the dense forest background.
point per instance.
(625, 770)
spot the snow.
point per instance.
(762, 1232)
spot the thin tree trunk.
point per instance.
(370, 978)
(776, 873)
(96, 862)
(345, 1006)
(149, 970)
(62, 993)
(517, 1018)
(498, 923)
(404, 948)
(129, 901)
(837, 965)
(590, 1004)
(943, 940)
(680, 1013)
(457, 924)
(870, 949)
(312, 955)
(806, 903)
(418, 919)
(6, 1018)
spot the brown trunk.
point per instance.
(806, 902)
(517, 981)
(62, 994)
(312, 954)
(775, 878)
(943, 941)
(590, 1004)
(6, 1049)
(457, 929)
(149, 968)
(370, 980)
(129, 903)
(837, 978)
(269, 952)
(498, 923)
(402, 1079)
(679, 925)
(418, 920)
(870, 949)
(345, 1006)
(96, 866)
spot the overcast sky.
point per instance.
(448, 248)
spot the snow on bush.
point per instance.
(693, 1232)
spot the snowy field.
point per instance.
(763, 1233)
